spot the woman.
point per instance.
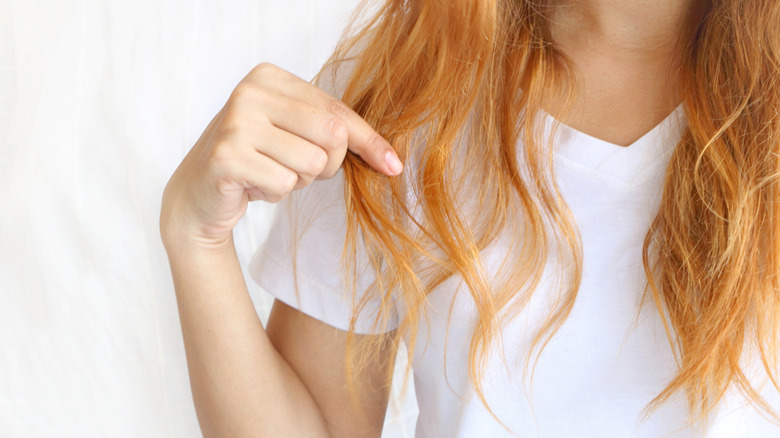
(575, 230)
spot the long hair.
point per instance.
(449, 82)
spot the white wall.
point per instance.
(99, 101)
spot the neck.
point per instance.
(646, 28)
(625, 63)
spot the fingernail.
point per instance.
(393, 164)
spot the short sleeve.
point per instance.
(300, 263)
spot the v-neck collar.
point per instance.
(631, 164)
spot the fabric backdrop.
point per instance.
(99, 102)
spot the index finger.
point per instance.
(363, 140)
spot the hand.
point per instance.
(275, 134)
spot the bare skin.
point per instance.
(275, 134)
(624, 53)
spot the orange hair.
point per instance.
(440, 78)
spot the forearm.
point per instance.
(241, 385)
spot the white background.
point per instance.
(99, 101)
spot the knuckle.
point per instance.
(266, 77)
(338, 132)
(273, 198)
(328, 173)
(286, 182)
(278, 183)
(303, 181)
(338, 107)
(244, 91)
(240, 119)
(317, 162)
(264, 69)
(233, 115)
(374, 143)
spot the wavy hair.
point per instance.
(440, 78)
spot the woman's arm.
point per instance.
(315, 351)
(241, 385)
(275, 134)
(288, 381)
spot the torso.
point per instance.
(609, 359)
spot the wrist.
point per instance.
(179, 235)
(178, 241)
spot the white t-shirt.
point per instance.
(601, 368)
